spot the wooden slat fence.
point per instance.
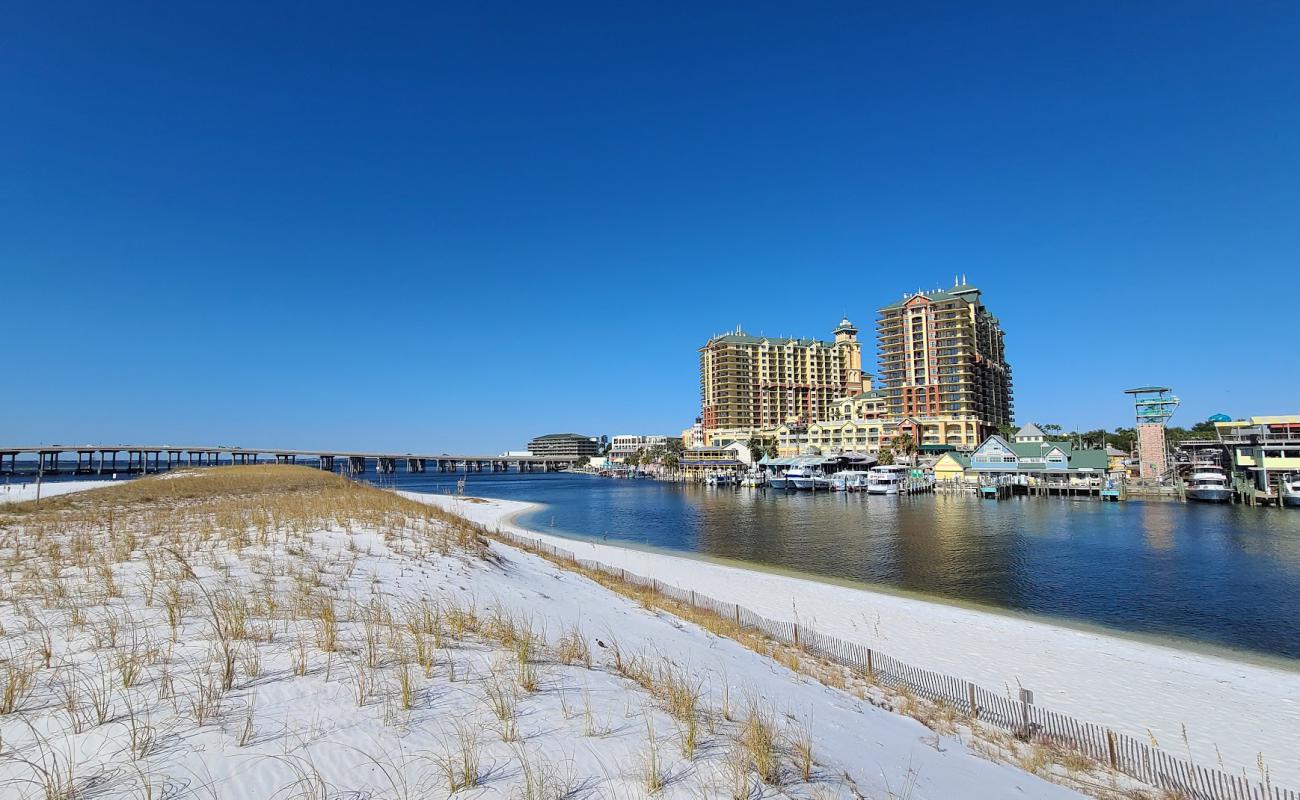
(1028, 722)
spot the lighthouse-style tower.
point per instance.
(846, 338)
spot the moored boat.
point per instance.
(1208, 483)
(800, 477)
(850, 480)
(887, 479)
(1291, 491)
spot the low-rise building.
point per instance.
(951, 466)
(694, 435)
(1262, 447)
(564, 445)
(721, 437)
(1038, 460)
(873, 434)
(699, 462)
(626, 444)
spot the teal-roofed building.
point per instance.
(1038, 461)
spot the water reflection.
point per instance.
(1221, 574)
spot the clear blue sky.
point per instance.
(454, 228)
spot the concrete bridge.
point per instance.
(97, 459)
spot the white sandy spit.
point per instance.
(131, 693)
(26, 490)
(1223, 711)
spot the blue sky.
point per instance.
(450, 228)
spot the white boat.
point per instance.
(1291, 491)
(778, 481)
(806, 478)
(719, 480)
(799, 477)
(850, 480)
(1208, 483)
(887, 479)
(753, 479)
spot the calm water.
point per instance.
(1223, 575)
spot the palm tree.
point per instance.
(904, 444)
(885, 458)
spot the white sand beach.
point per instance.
(18, 492)
(162, 641)
(1220, 710)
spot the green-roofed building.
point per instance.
(1038, 463)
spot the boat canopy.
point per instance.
(798, 461)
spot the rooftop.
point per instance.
(957, 292)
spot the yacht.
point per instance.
(719, 480)
(887, 479)
(799, 478)
(778, 480)
(1208, 483)
(1291, 490)
(850, 480)
(806, 478)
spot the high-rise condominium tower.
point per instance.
(942, 357)
(754, 382)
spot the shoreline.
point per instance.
(1229, 709)
(1167, 641)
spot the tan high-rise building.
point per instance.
(942, 359)
(756, 382)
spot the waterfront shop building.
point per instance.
(1262, 449)
(753, 383)
(701, 462)
(951, 467)
(626, 444)
(572, 445)
(943, 365)
(1035, 461)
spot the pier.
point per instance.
(99, 459)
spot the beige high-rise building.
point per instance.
(757, 382)
(943, 361)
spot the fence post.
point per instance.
(655, 583)
(1026, 700)
(796, 634)
(738, 615)
(692, 598)
(1110, 749)
(974, 709)
(871, 669)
